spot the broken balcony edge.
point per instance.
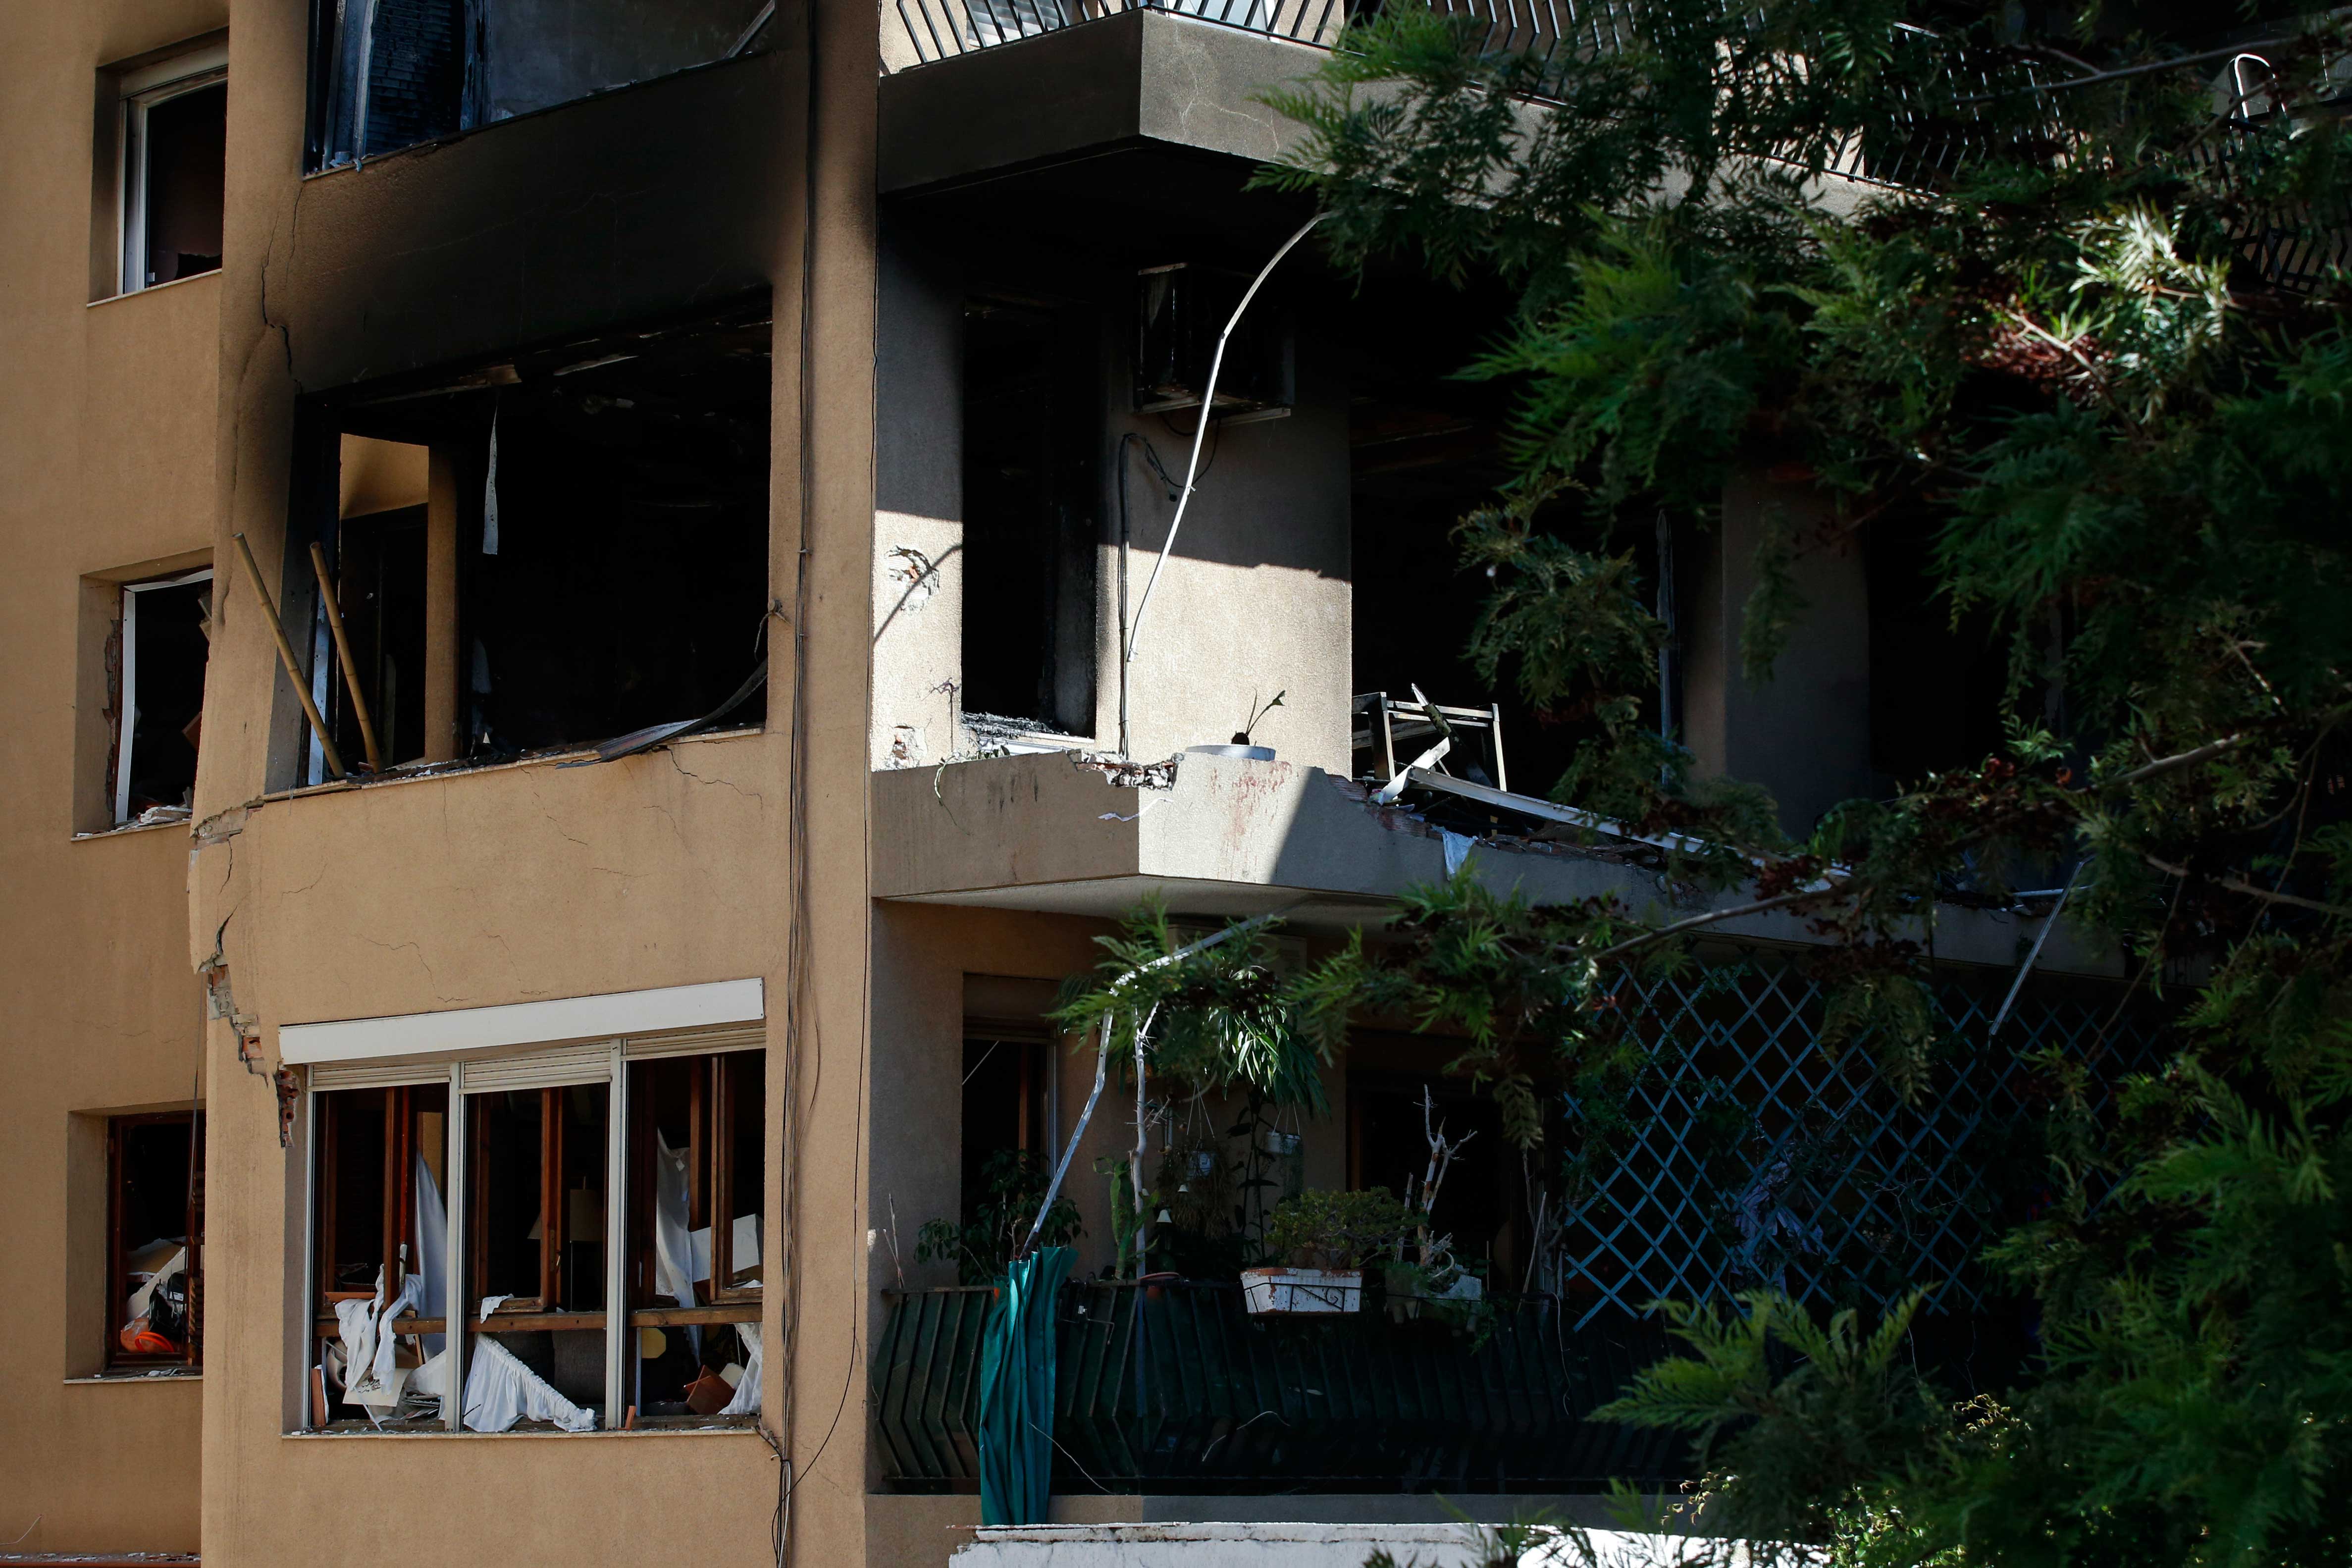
(1228, 837)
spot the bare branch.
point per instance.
(2237, 885)
(1761, 906)
(2178, 759)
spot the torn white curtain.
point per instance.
(369, 1346)
(747, 1391)
(501, 1391)
(490, 491)
(432, 1250)
(673, 1249)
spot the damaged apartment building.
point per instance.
(598, 625)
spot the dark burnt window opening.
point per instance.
(1425, 451)
(1031, 424)
(393, 73)
(379, 589)
(607, 508)
(156, 1216)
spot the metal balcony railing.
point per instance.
(1171, 1387)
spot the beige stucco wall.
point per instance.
(106, 437)
(504, 885)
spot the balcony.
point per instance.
(1170, 1386)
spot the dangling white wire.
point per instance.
(1208, 402)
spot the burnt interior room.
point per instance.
(611, 539)
(1425, 450)
(1032, 423)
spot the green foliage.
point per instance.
(1795, 1444)
(2131, 440)
(1320, 1229)
(1219, 1019)
(1013, 1184)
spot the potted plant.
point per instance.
(1328, 1238)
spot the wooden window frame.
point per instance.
(711, 1185)
(118, 1276)
(554, 1217)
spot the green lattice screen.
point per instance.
(1753, 1157)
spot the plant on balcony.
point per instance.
(1339, 1230)
(1012, 1185)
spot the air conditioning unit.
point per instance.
(1180, 310)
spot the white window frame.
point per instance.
(600, 1061)
(126, 717)
(142, 91)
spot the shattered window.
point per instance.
(694, 1265)
(527, 1189)
(387, 74)
(554, 549)
(536, 1279)
(155, 1225)
(382, 1237)
(163, 642)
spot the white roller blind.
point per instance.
(699, 1043)
(376, 1075)
(541, 1069)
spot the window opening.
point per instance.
(175, 132)
(1481, 1205)
(1003, 1106)
(695, 1274)
(158, 695)
(1425, 450)
(389, 74)
(524, 1176)
(537, 1166)
(1032, 422)
(602, 534)
(155, 1240)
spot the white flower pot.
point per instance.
(1272, 1292)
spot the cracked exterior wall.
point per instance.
(498, 885)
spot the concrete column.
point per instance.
(441, 607)
(1804, 734)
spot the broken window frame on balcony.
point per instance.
(143, 90)
(492, 553)
(720, 1061)
(122, 690)
(122, 1250)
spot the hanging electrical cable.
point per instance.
(1208, 402)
